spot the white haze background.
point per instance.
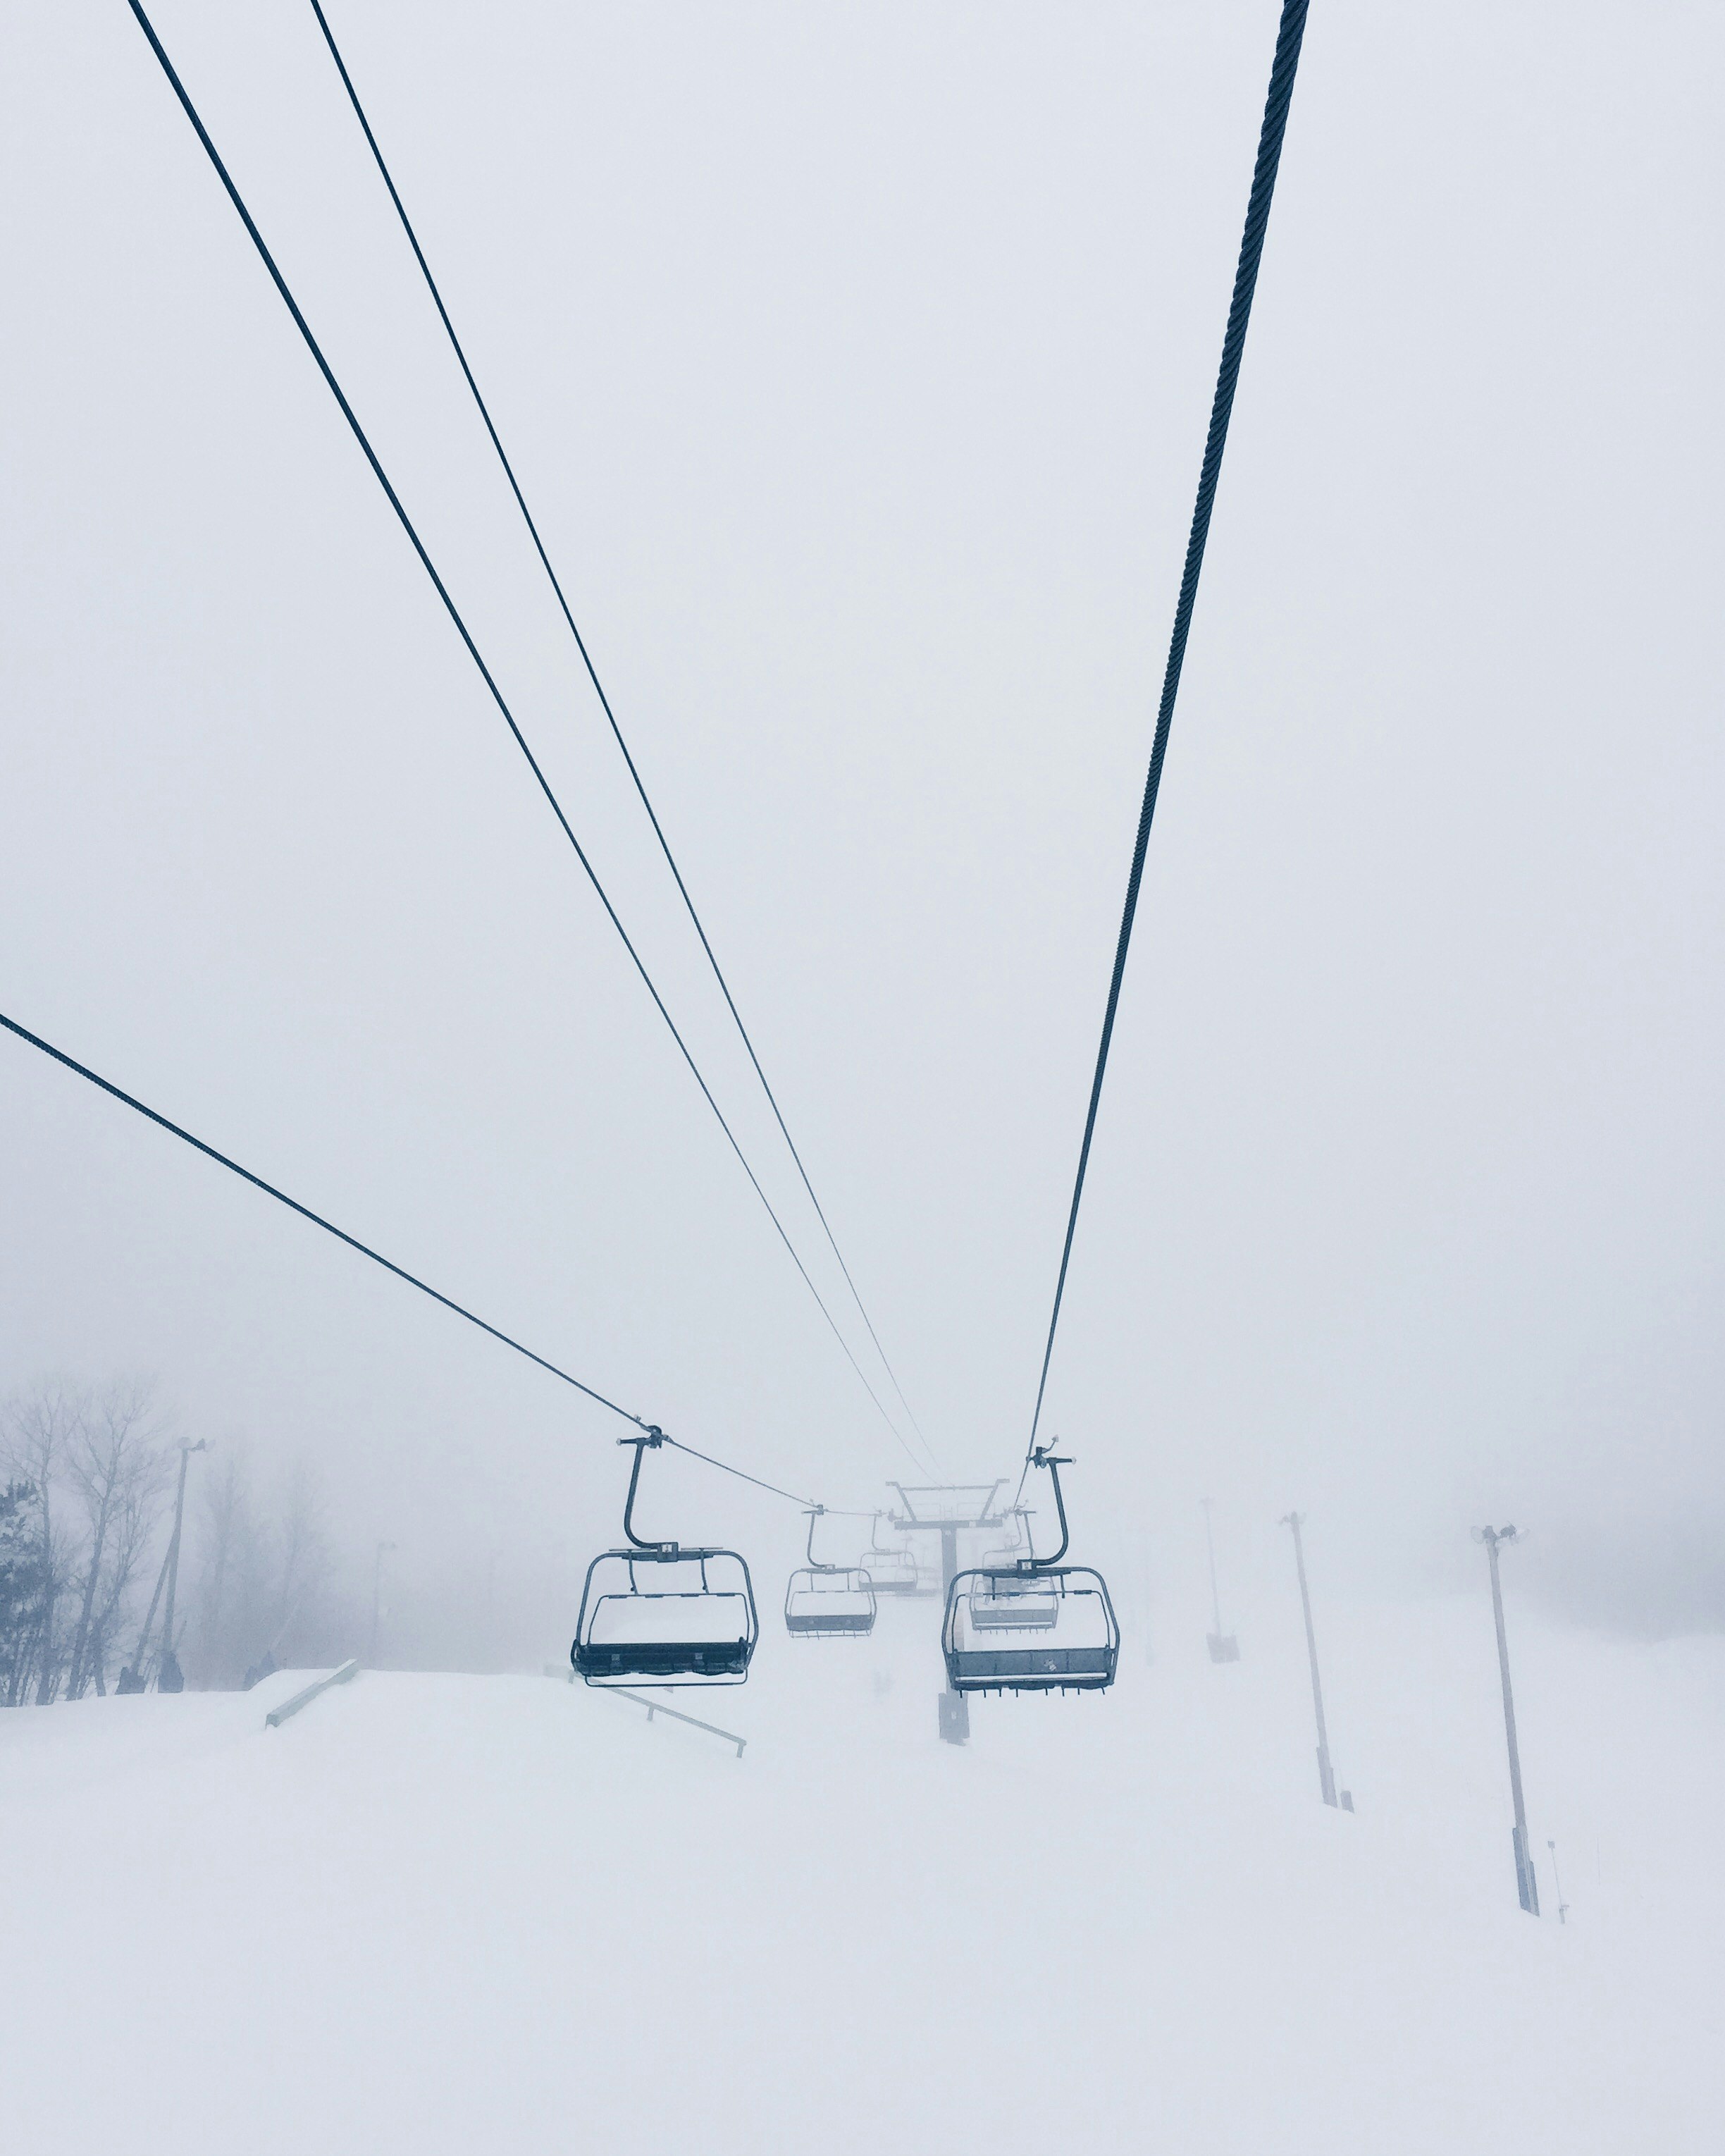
(857, 363)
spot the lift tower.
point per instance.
(949, 1510)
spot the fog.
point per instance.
(857, 363)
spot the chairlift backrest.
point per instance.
(891, 1571)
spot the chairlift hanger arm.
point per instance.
(813, 1562)
(1053, 1464)
(649, 1441)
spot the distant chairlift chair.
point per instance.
(828, 1601)
(891, 1571)
(1005, 1555)
(1044, 1626)
(659, 1614)
(1003, 1599)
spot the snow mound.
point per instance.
(456, 1913)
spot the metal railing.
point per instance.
(278, 1715)
(656, 1707)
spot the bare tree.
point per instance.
(118, 1473)
(231, 1591)
(84, 1476)
(222, 1521)
(22, 1553)
(303, 1559)
(39, 1431)
(130, 1527)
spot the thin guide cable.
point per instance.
(496, 694)
(556, 583)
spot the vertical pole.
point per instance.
(1210, 1544)
(168, 1676)
(1326, 1776)
(954, 1705)
(1557, 1880)
(378, 1590)
(1526, 1885)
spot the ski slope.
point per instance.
(458, 1913)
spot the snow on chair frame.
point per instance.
(828, 1601)
(660, 1613)
(1048, 1626)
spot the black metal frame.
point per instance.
(995, 1591)
(834, 1624)
(1036, 1668)
(666, 1662)
(964, 1517)
(945, 1518)
(913, 1585)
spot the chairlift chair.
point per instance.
(891, 1571)
(828, 1601)
(1006, 1554)
(1003, 1599)
(1012, 1602)
(1049, 1626)
(662, 1614)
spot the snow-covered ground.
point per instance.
(456, 1913)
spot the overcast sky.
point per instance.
(857, 362)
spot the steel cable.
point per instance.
(485, 675)
(742, 1474)
(556, 583)
(365, 1250)
(1251, 248)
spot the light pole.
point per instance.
(1557, 1881)
(1325, 1774)
(1526, 1885)
(376, 1599)
(169, 1677)
(1224, 1647)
